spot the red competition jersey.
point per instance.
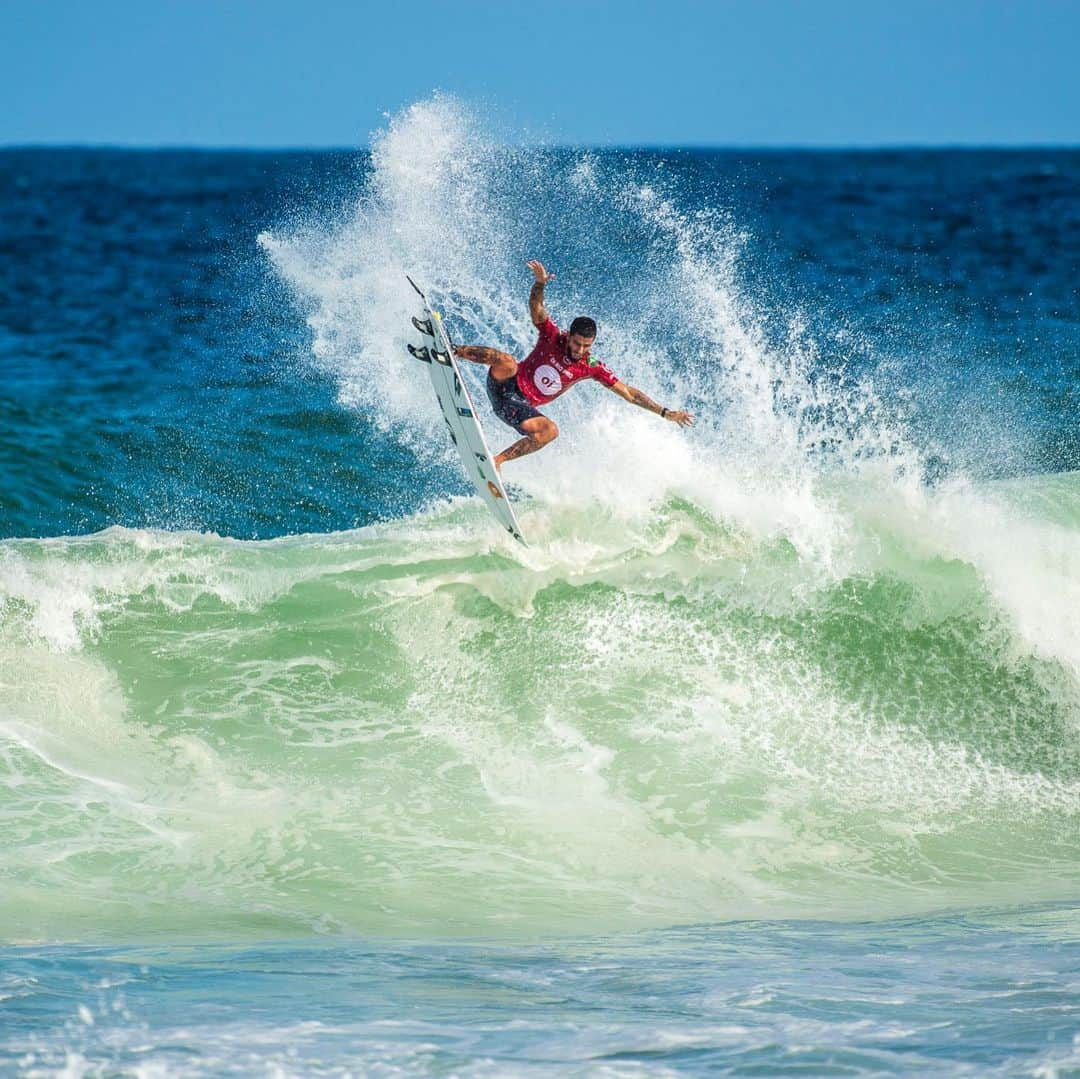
(548, 371)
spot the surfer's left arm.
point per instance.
(643, 400)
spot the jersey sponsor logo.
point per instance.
(548, 381)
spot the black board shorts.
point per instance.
(509, 403)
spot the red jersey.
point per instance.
(548, 371)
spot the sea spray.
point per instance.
(449, 206)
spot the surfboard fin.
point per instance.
(420, 353)
(423, 325)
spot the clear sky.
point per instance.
(598, 72)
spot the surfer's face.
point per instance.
(577, 346)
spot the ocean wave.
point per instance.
(653, 718)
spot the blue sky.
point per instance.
(669, 72)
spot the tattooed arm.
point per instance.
(482, 354)
(541, 277)
(643, 400)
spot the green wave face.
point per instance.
(422, 728)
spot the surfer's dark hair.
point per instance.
(583, 326)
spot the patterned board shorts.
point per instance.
(509, 403)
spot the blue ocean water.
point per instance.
(763, 757)
(974, 995)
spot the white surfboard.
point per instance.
(460, 415)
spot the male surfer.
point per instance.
(554, 365)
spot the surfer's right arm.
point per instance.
(541, 277)
(482, 354)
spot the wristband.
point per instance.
(663, 413)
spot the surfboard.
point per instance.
(460, 415)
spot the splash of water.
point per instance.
(463, 214)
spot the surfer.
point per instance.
(554, 365)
